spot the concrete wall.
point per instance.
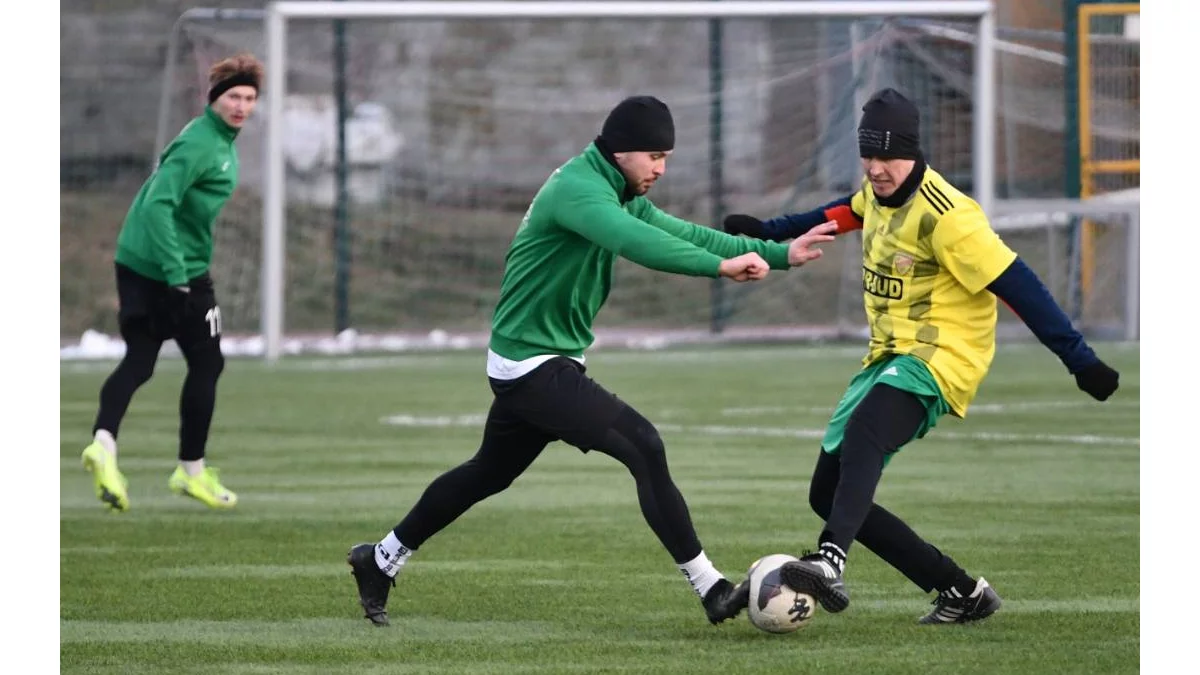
(463, 94)
(486, 110)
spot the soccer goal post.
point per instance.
(281, 15)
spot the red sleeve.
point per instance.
(847, 220)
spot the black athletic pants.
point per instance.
(843, 489)
(147, 319)
(557, 401)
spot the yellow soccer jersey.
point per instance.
(926, 266)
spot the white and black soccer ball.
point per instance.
(774, 607)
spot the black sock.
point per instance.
(963, 583)
(198, 398)
(135, 369)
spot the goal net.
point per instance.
(452, 124)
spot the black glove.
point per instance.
(740, 223)
(180, 303)
(1098, 380)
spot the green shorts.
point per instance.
(904, 372)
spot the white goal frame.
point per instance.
(279, 13)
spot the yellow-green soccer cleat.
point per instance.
(111, 486)
(204, 488)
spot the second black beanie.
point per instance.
(890, 127)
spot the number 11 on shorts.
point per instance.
(213, 318)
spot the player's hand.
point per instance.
(180, 298)
(740, 223)
(745, 267)
(1098, 380)
(802, 249)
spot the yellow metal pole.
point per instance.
(1116, 166)
(1112, 9)
(1089, 166)
(1086, 243)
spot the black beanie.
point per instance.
(639, 123)
(890, 127)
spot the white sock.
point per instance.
(105, 439)
(701, 573)
(193, 467)
(834, 554)
(390, 555)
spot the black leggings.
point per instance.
(557, 402)
(196, 402)
(843, 488)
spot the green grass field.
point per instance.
(1037, 491)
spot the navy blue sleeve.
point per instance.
(793, 225)
(1021, 290)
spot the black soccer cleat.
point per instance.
(951, 607)
(820, 578)
(373, 584)
(724, 600)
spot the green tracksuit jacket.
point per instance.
(559, 268)
(167, 234)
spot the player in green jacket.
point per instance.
(165, 291)
(557, 275)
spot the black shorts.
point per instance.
(146, 310)
(558, 400)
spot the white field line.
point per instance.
(437, 421)
(443, 358)
(976, 409)
(787, 432)
(436, 353)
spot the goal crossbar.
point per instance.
(608, 9)
(279, 13)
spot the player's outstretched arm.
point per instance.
(793, 225)
(1020, 288)
(714, 241)
(599, 218)
(778, 256)
(969, 249)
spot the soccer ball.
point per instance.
(774, 607)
